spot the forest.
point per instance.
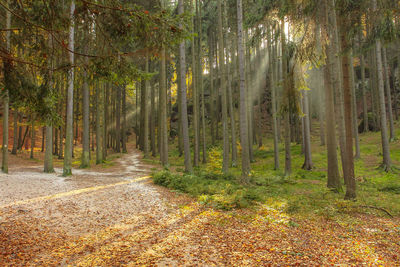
(200, 132)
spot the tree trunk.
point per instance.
(183, 104)
(137, 115)
(249, 104)
(337, 79)
(273, 82)
(362, 85)
(286, 85)
(124, 127)
(15, 138)
(105, 118)
(386, 165)
(354, 109)
(153, 113)
(195, 95)
(145, 99)
(118, 119)
(307, 136)
(244, 139)
(200, 80)
(180, 122)
(320, 74)
(99, 128)
(33, 131)
(20, 134)
(348, 171)
(388, 95)
(7, 66)
(67, 169)
(225, 133)
(86, 121)
(331, 144)
(48, 157)
(163, 127)
(212, 90)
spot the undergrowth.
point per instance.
(304, 193)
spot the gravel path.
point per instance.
(60, 210)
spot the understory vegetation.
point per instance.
(303, 193)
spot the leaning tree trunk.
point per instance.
(244, 138)
(183, 104)
(7, 66)
(67, 169)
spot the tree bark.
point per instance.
(388, 95)
(67, 169)
(163, 127)
(348, 171)
(7, 66)
(308, 165)
(99, 128)
(15, 138)
(362, 85)
(145, 105)
(273, 84)
(184, 116)
(244, 138)
(118, 119)
(48, 157)
(331, 144)
(200, 80)
(86, 114)
(124, 127)
(225, 133)
(153, 121)
(33, 131)
(386, 165)
(354, 108)
(286, 85)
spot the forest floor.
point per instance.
(116, 216)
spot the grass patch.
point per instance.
(304, 193)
